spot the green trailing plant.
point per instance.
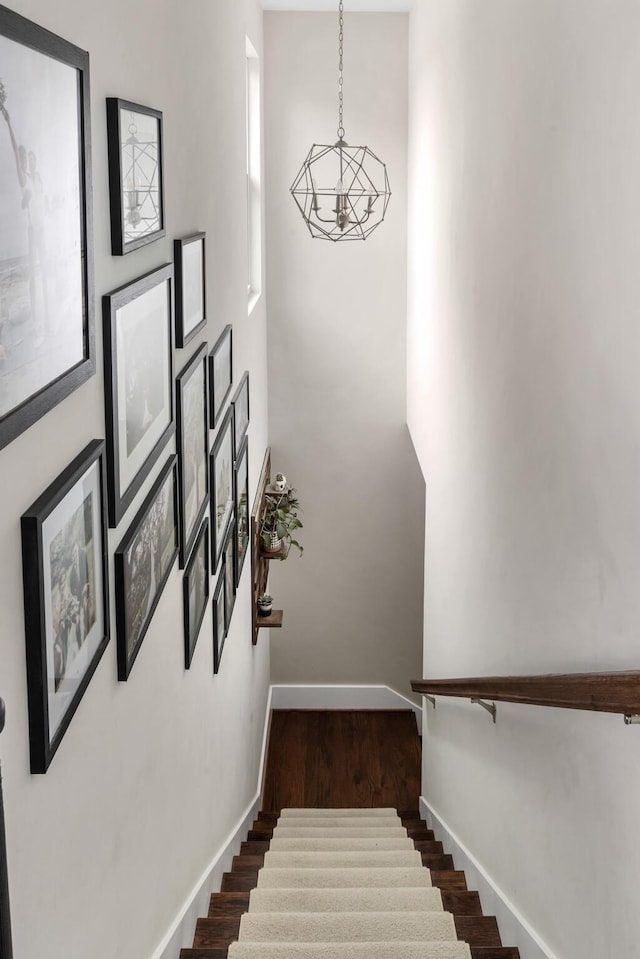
(281, 521)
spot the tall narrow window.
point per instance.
(254, 223)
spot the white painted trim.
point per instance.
(343, 697)
(181, 931)
(515, 930)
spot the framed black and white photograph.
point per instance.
(229, 575)
(193, 444)
(143, 561)
(66, 598)
(47, 323)
(195, 592)
(240, 406)
(138, 377)
(190, 265)
(219, 631)
(136, 175)
(220, 375)
(241, 497)
(221, 466)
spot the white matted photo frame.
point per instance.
(222, 504)
(240, 406)
(136, 175)
(193, 448)
(66, 597)
(219, 630)
(189, 258)
(220, 374)
(138, 377)
(47, 323)
(143, 561)
(195, 587)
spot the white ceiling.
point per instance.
(331, 6)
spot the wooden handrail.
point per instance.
(600, 692)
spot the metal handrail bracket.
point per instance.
(490, 707)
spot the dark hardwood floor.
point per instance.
(342, 758)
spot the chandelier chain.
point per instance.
(340, 53)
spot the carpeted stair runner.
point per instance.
(345, 884)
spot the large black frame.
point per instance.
(124, 586)
(42, 745)
(219, 531)
(219, 635)
(241, 502)
(240, 426)
(24, 413)
(229, 574)
(114, 377)
(119, 245)
(216, 408)
(188, 532)
(200, 548)
(6, 946)
(184, 336)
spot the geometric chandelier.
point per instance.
(341, 191)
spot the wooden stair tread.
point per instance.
(220, 928)
(478, 930)
(228, 904)
(216, 932)
(234, 882)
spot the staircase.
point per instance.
(344, 884)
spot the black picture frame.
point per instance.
(219, 617)
(195, 591)
(142, 564)
(136, 175)
(193, 445)
(138, 379)
(66, 597)
(220, 374)
(47, 342)
(190, 261)
(229, 574)
(241, 502)
(222, 502)
(240, 406)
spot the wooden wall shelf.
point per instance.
(271, 622)
(260, 559)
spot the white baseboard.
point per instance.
(515, 930)
(180, 935)
(342, 697)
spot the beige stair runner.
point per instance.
(345, 884)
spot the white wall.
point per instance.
(153, 773)
(523, 405)
(337, 365)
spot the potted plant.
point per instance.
(281, 522)
(265, 602)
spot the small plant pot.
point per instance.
(265, 610)
(275, 544)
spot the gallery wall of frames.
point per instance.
(196, 510)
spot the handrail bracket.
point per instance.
(490, 707)
(631, 720)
